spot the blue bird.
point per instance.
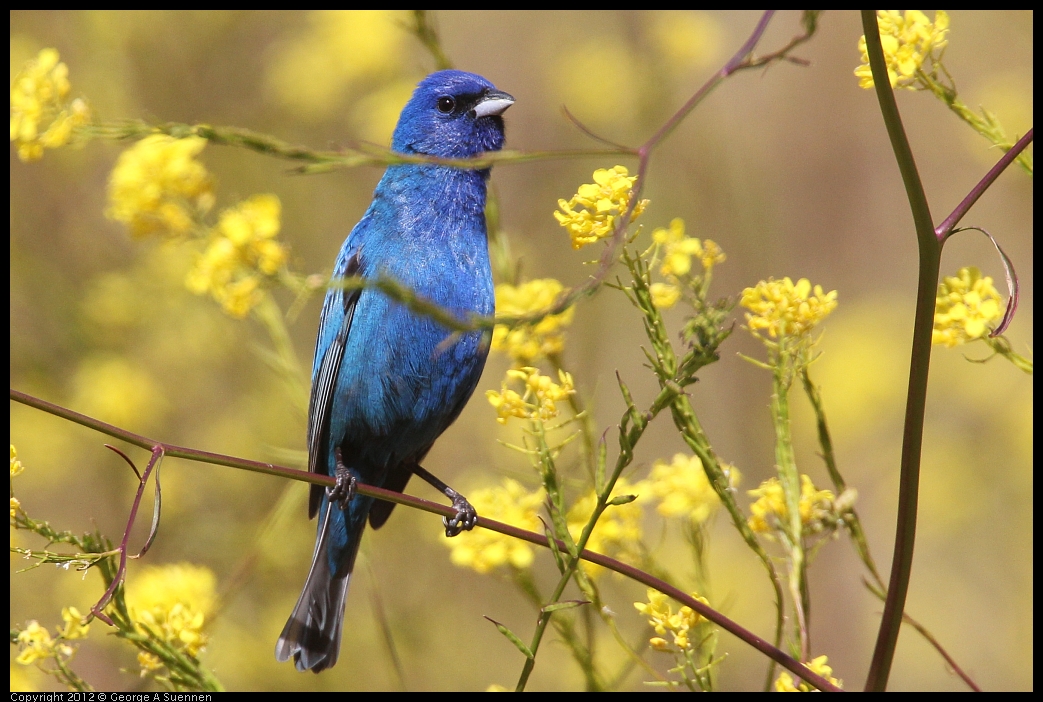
(386, 382)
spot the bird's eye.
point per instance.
(446, 104)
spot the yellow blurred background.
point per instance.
(788, 169)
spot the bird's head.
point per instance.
(452, 114)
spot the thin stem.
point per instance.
(97, 609)
(912, 435)
(949, 223)
(444, 510)
(425, 31)
(318, 161)
(789, 479)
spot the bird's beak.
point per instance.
(494, 103)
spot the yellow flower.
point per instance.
(785, 681)
(242, 245)
(664, 620)
(527, 343)
(537, 402)
(908, 40)
(784, 309)
(683, 489)
(36, 644)
(664, 295)
(967, 308)
(658, 643)
(768, 514)
(592, 212)
(678, 250)
(618, 532)
(171, 603)
(40, 115)
(75, 628)
(158, 186)
(15, 506)
(148, 662)
(484, 550)
(16, 465)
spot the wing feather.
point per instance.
(324, 382)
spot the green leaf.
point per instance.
(513, 638)
(565, 604)
(553, 542)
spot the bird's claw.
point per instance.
(464, 519)
(344, 490)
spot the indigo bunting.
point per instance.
(386, 382)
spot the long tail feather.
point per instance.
(312, 633)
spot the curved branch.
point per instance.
(163, 449)
(919, 364)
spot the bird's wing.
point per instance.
(338, 309)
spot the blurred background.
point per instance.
(788, 169)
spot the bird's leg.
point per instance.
(466, 517)
(344, 490)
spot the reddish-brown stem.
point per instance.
(160, 449)
(121, 571)
(943, 230)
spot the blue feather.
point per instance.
(386, 382)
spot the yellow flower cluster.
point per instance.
(37, 644)
(242, 248)
(618, 532)
(528, 343)
(785, 681)
(678, 250)
(592, 212)
(664, 295)
(16, 465)
(538, 399)
(158, 186)
(769, 514)
(16, 469)
(908, 40)
(683, 490)
(664, 620)
(966, 308)
(783, 308)
(41, 117)
(484, 550)
(170, 603)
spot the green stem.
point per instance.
(920, 361)
(986, 126)
(586, 419)
(631, 428)
(789, 480)
(664, 362)
(425, 31)
(1001, 346)
(851, 520)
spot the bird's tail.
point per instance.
(312, 633)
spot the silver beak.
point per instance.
(493, 103)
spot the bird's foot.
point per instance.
(344, 490)
(464, 519)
